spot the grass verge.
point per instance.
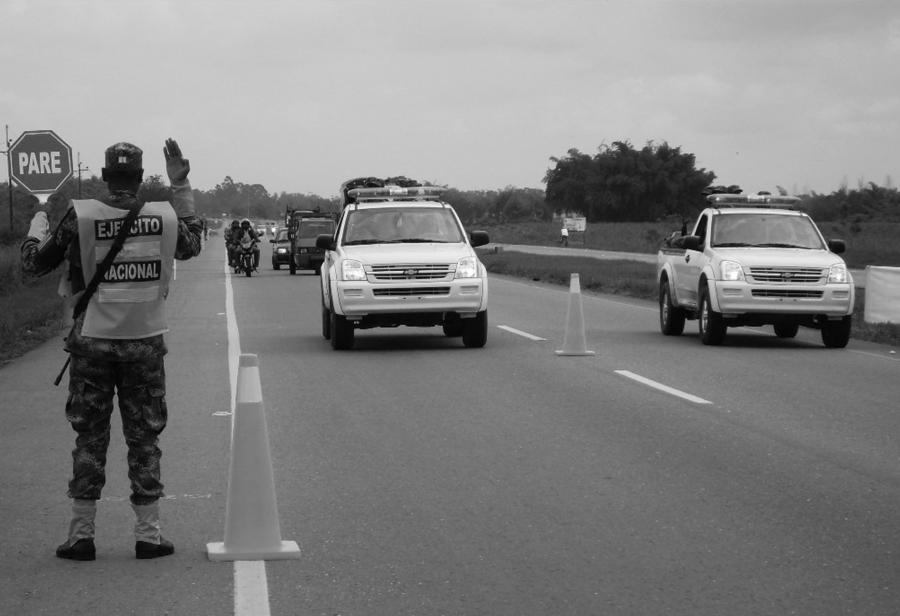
(638, 280)
(29, 316)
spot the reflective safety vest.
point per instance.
(129, 303)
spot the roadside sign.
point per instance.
(40, 162)
(575, 223)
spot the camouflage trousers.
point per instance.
(141, 390)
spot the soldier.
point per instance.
(116, 344)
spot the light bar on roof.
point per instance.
(395, 192)
(725, 199)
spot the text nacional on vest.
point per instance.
(143, 225)
(133, 271)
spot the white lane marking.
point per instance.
(519, 332)
(890, 356)
(661, 387)
(251, 588)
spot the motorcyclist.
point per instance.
(232, 242)
(248, 233)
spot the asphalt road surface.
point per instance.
(658, 476)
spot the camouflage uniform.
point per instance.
(100, 368)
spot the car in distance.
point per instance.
(281, 249)
(755, 260)
(400, 256)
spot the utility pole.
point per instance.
(80, 169)
(9, 179)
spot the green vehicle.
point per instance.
(303, 229)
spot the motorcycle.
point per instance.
(245, 258)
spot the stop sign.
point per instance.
(39, 161)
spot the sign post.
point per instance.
(40, 162)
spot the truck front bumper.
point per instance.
(361, 298)
(736, 298)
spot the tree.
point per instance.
(621, 183)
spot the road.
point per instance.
(657, 476)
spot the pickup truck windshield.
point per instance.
(765, 230)
(401, 225)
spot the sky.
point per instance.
(475, 94)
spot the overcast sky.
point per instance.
(301, 95)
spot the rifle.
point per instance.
(82, 303)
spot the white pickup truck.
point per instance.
(754, 260)
(400, 256)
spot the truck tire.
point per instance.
(292, 266)
(671, 318)
(712, 325)
(341, 332)
(474, 333)
(836, 334)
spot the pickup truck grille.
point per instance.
(411, 291)
(792, 275)
(411, 271)
(787, 293)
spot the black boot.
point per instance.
(83, 549)
(149, 543)
(145, 549)
(80, 544)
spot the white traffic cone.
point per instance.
(252, 530)
(574, 342)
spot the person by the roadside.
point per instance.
(564, 236)
(116, 344)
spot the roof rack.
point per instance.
(735, 200)
(396, 193)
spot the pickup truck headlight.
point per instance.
(352, 270)
(467, 267)
(731, 270)
(838, 273)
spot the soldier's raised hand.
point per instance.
(177, 167)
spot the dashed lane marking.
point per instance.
(665, 388)
(519, 332)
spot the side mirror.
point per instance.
(837, 246)
(479, 238)
(325, 242)
(692, 242)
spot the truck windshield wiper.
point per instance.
(733, 244)
(421, 240)
(778, 245)
(370, 241)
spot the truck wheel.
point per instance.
(836, 334)
(341, 332)
(671, 318)
(712, 325)
(786, 330)
(276, 266)
(474, 331)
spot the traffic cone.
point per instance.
(574, 342)
(252, 531)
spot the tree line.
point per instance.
(619, 183)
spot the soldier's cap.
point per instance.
(124, 156)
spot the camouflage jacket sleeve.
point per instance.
(190, 227)
(42, 257)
